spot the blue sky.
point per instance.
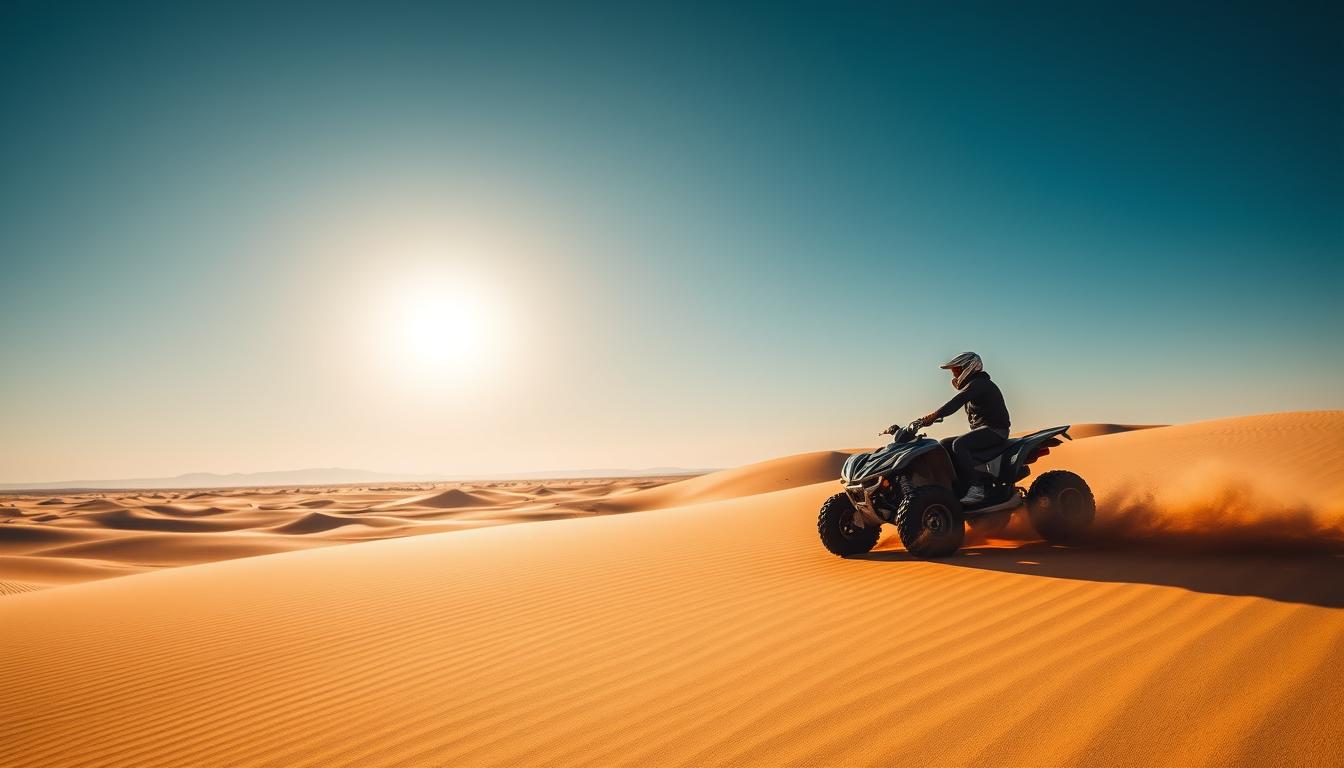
(704, 235)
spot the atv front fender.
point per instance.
(930, 467)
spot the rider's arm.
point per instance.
(952, 405)
(975, 387)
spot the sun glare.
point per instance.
(443, 329)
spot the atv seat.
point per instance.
(1008, 449)
(992, 459)
(989, 454)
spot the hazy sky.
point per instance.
(504, 237)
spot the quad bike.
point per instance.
(909, 482)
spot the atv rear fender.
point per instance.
(1027, 448)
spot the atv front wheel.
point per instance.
(930, 522)
(839, 533)
(1061, 507)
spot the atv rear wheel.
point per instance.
(930, 522)
(1061, 507)
(839, 533)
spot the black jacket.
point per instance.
(983, 401)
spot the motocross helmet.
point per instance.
(964, 366)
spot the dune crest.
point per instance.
(749, 480)
(1081, 431)
(314, 522)
(453, 498)
(1292, 457)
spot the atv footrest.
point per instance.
(1003, 506)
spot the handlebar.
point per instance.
(913, 426)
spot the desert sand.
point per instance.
(47, 540)
(705, 625)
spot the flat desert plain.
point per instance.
(689, 622)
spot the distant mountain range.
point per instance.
(323, 476)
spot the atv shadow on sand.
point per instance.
(1308, 578)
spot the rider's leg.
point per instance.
(958, 484)
(963, 450)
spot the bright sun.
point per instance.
(443, 329)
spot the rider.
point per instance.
(987, 415)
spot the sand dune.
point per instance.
(39, 570)
(1080, 431)
(188, 527)
(314, 522)
(97, 505)
(183, 510)
(764, 477)
(715, 633)
(15, 587)
(59, 540)
(172, 549)
(316, 503)
(1296, 453)
(453, 498)
(135, 520)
